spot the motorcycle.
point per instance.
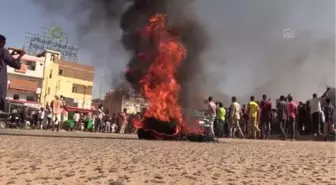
(14, 119)
(4, 119)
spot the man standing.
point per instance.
(329, 118)
(6, 59)
(123, 121)
(244, 119)
(253, 113)
(301, 118)
(57, 109)
(41, 118)
(265, 117)
(76, 118)
(220, 119)
(235, 112)
(282, 115)
(64, 114)
(292, 112)
(211, 114)
(315, 112)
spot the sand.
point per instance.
(79, 161)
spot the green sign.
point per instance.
(56, 33)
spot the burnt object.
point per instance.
(161, 127)
(154, 129)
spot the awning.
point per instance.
(73, 109)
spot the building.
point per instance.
(25, 84)
(116, 100)
(96, 102)
(72, 80)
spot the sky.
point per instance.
(28, 18)
(247, 55)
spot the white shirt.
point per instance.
(76, 117)
(323, 116)
(100, 114)
(235, 111)
(41, 114)
(212, 108)
(315, 105)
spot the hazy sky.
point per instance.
(247, 50)
(23, 16)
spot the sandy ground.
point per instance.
(86, 161)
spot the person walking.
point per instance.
(265, 117)
(328, 126)
(253, 114)
(211, 114)
(282, 115)
(99, 120)
(315, 112)
(235, 112)
(292, 114)
(123, 121)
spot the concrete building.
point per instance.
(25, 84)
(116, 100)
(72, 80)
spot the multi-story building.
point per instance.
(72, 80)
(116, 100)
(25, 84)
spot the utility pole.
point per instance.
(100, 86)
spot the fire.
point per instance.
(159, 85)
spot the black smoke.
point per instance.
(104, 16)
(189, 31)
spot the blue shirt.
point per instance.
(6, 60)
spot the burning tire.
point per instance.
(143, 134)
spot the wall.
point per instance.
(116, 101)
(60, 82)
(50, 77)
(39, 67)
(22, 95)
(133, 104)
(76, 70)
(113, 102)
(65, 87)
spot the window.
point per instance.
(74, 89)
(30, 98)
(60, 72)
(52, 58)
(16, 96)
(48, 90)
(31, 65)
(50, 75)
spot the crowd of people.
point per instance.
(257, 119)
(55, 117)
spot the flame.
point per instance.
(159, 85)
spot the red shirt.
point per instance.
(265, 110)
(292, 109)
(123, 117)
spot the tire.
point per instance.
(3, 124)
(142, 134)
